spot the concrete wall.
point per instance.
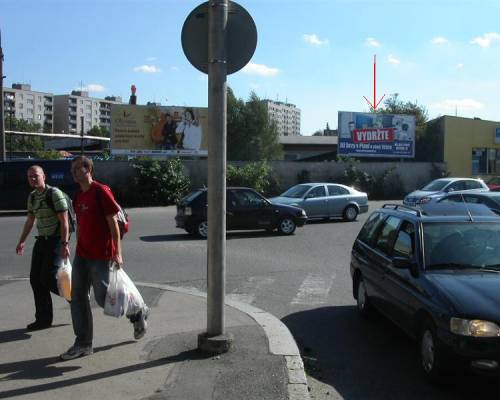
(119, 174)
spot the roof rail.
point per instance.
(395, 206)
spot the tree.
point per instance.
(98, 131)
(318, 133)
(251, 134)
(17, 142)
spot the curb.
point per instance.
(280, 340)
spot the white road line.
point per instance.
(314, 290)
(247, 292)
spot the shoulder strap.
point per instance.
(48, 198)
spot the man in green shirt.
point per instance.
(51, 245)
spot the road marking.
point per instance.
(247, 292)
(314, 290)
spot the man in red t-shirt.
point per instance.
(98, 247)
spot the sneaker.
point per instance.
(76, 351)
(140, 324)
(38, 325)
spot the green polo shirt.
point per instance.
(46, 219)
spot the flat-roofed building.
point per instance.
(285, 115)
(21, 102)
(72, 109)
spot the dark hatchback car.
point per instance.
(435, 272)
(245, 210)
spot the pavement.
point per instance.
(263, 362)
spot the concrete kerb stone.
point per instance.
(280, 340)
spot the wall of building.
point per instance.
(462, 135)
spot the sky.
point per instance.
(316, 54)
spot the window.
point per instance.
(39, 116)
(472, 185)
(318, 191)
(370, 227)
(30, 101)
(248, 199)
(405, 242)
(39, 98)
(454, 186)
(485, 161)
(29, 110)
(39, 108)
(387, 235)
(334, 190)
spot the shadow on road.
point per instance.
(371, 359)
(184, 237)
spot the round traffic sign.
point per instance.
(241, 37)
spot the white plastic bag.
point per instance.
(116, 301)
(122, 296)
(63, 277)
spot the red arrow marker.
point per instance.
(375, 103)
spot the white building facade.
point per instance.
(21, 102)
(285, 115)
(71, 110)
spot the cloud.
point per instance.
(460, 104)
(259, 69)
(174, 68)
(92, 87)
(148, 69)
(372, 42)
(485, 40)
(459, 66)
(439, 40)
(314, 40)
(393, 60)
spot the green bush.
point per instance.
(160, 183)
(256, 175)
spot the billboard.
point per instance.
(376, 135)
(158, 130)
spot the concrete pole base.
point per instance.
(215, 344)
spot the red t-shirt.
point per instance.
(91, 208)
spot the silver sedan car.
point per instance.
(325, 200)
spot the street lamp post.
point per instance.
(81, 135)
(2, 122)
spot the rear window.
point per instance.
(370, 227)
(190, 197)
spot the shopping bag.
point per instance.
(63, 277)
(135, 300)
(117, 295)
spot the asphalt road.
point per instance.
(302, 279)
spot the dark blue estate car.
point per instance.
(435, 272)
(245, 210)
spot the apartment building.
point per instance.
(21, 102)
(71, 110)
(285, 115)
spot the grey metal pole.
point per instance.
(2, 120)
(81, 135)
(216, 340)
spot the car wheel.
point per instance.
(362, 299)
(350, 213)
(434, 359)
(202, 229)
(287, 226)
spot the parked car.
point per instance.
(435, 272)
(245, 209)
(439, 187)
(489, 199)
(325, 200)
(494, 183)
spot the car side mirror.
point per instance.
(406, 263)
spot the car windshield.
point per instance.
(190, 197)
(296, 191)
(436, 185)
(459, 245)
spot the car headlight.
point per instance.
(303, 213)
(424, 200)
(188, 211)
(475, 327)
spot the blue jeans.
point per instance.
(86, 273)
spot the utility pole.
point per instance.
(81, 135)
(2, 120)
(216, 340)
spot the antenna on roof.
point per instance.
(466, 207)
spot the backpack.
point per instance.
(121, 217)
(71, 211)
